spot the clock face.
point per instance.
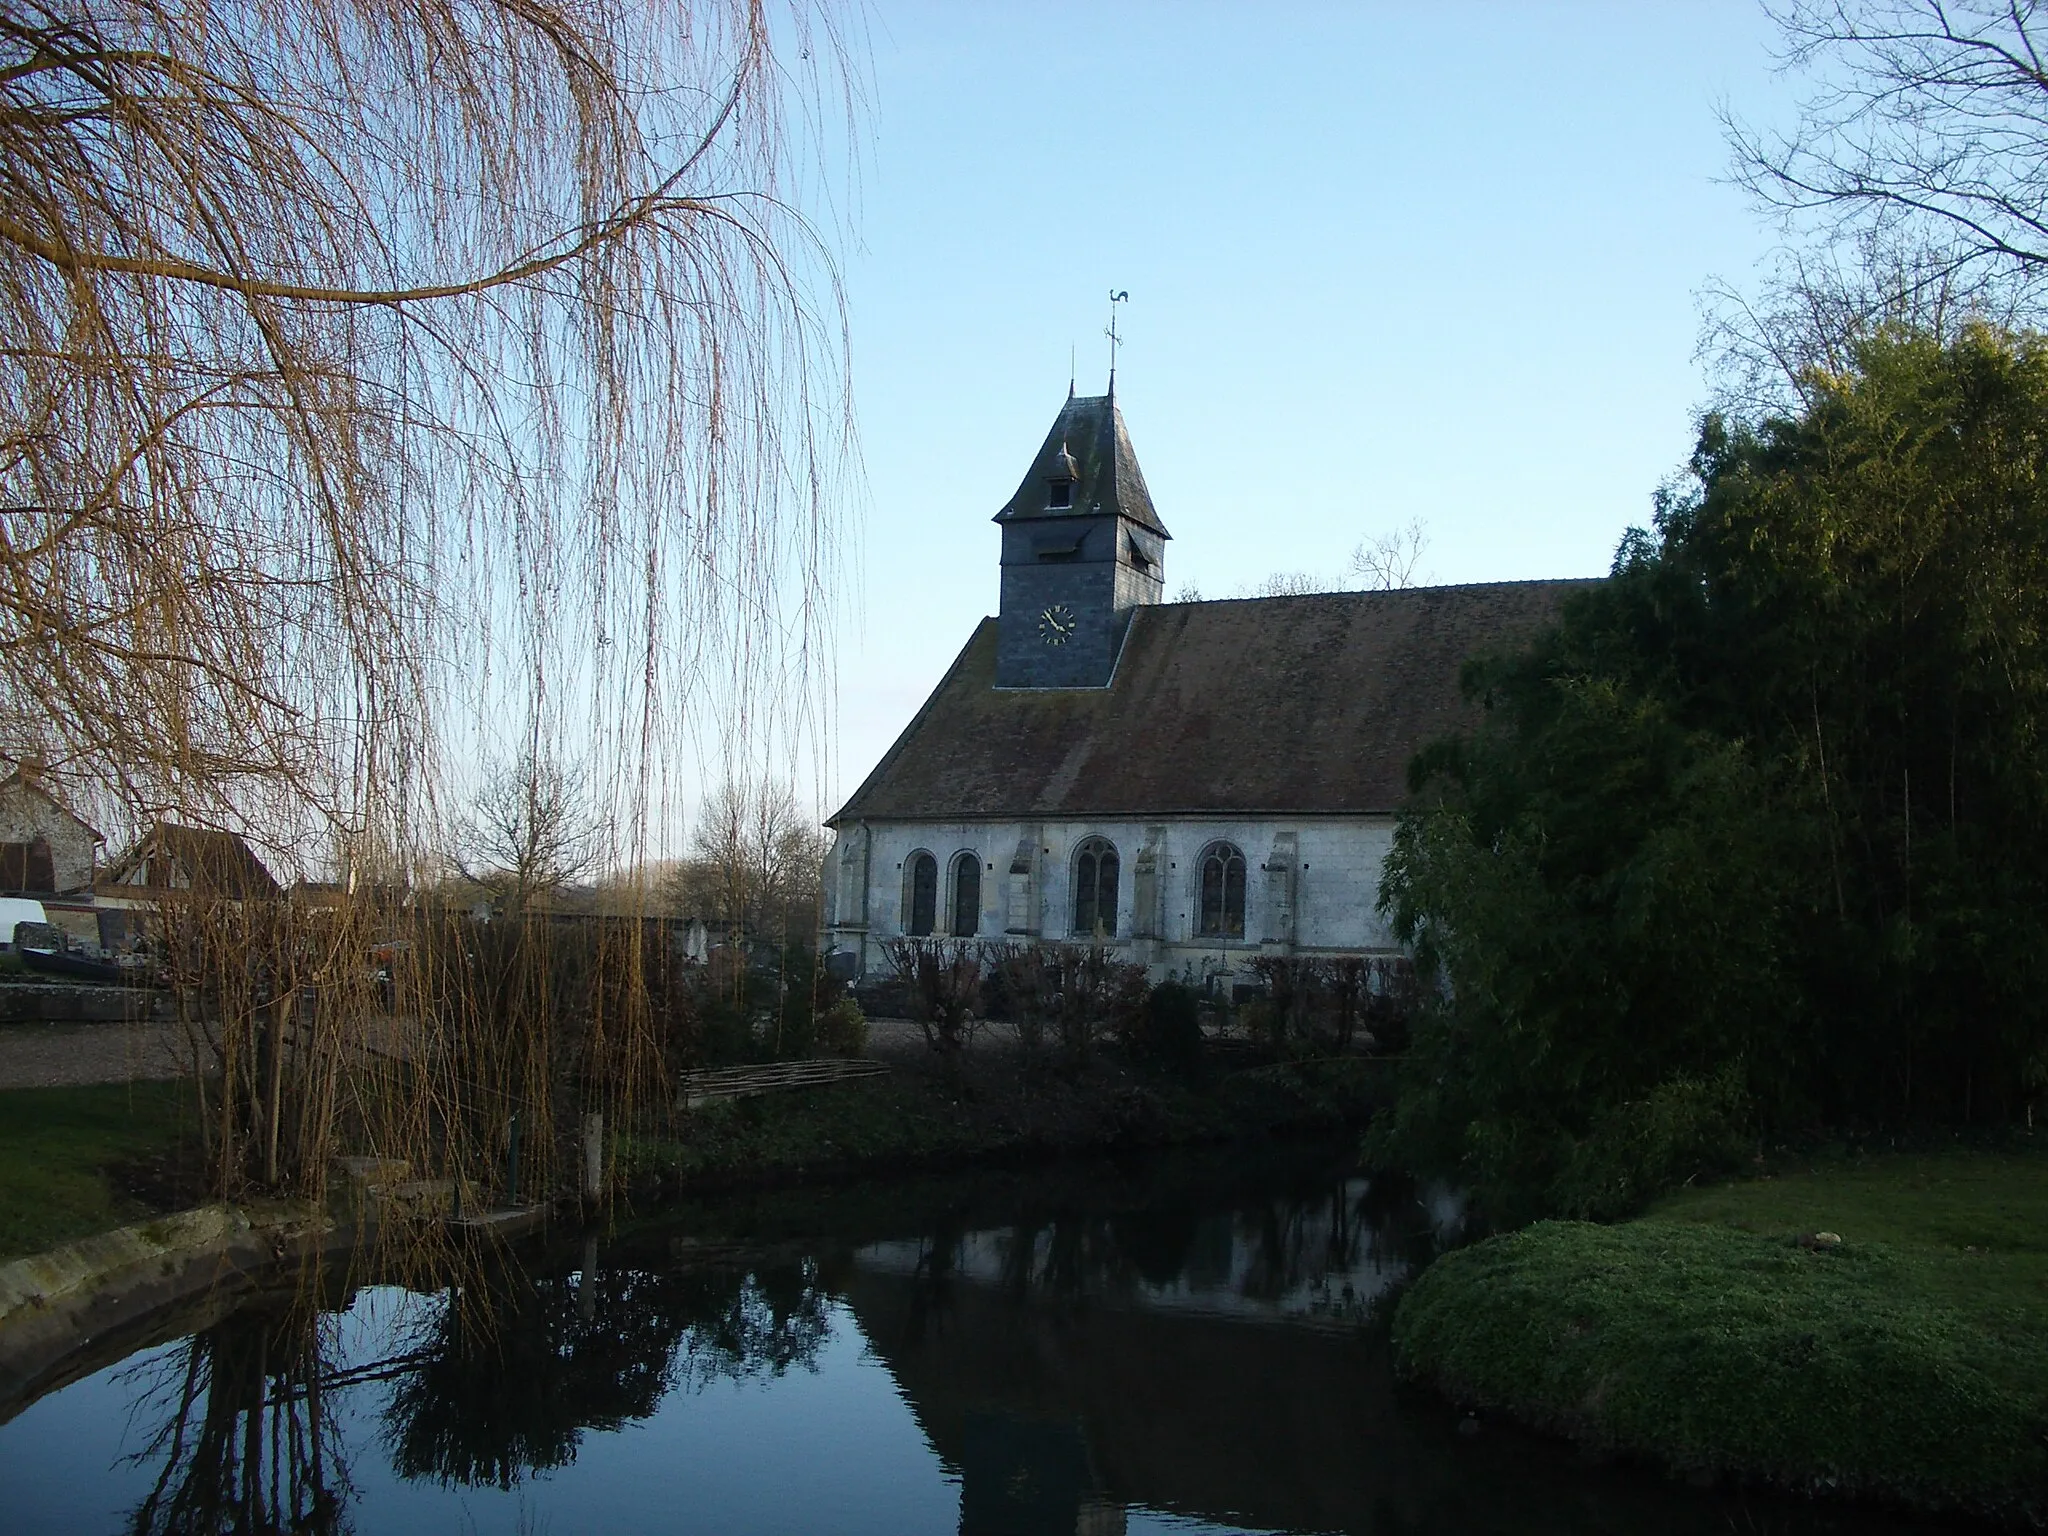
(1055, 624)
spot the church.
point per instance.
(1194, 783)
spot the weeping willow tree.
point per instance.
(369, 368)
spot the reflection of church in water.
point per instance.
(1209, 1366)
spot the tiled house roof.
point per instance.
(1288, 705)
(195, 858)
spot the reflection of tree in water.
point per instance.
(513, 1371)
(245, 1443)
(775, 1319)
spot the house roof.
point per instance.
(218, 863)
(1089, 445)
(1290, 705)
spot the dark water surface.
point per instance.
(1186, 1344)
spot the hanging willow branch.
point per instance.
(372, 374)
(351, 352)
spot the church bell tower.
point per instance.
(1082, 547)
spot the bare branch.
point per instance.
(1388, 561)
(1913, 188)
(362, 364)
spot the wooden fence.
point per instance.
(745, 1082)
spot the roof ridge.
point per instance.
(1256, 706)
(1441, 586)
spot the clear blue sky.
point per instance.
(1384, 262)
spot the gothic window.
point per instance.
(1222, 892)
(921, 895)
(1095, 871)
(966, 914)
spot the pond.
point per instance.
(1191, 1343)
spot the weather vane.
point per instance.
(1116, 296)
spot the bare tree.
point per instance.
(369, 363)
(1289, 584)
(1913, 187)
(1388, 561)
(328, 326)
(1925, 114)
(1377, 564)
(530, 833)
(1768, 345)
(756, 862)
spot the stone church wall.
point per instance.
(1310, 885)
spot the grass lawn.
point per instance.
(56, 1146)
(1973, 1224)
(1910, 1361)
(1950, 1200)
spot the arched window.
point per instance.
(1095, 871)
(1222, 892)
(921, 895)
(966, 902)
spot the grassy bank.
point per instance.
(919, 1116)
(76, 1161)
(73, 1159)
(1717, 1335)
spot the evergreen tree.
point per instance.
(1758, 835)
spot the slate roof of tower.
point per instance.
(1290, 705)
(1091, 430)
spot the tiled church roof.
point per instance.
(1088, 442)
(1275, 704)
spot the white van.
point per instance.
(17, 909)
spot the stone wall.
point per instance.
(27, 814)
(59, 1002)
(1311, 884)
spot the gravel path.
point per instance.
(61, 1055)
(889, 1038)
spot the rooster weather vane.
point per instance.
(1116, 296)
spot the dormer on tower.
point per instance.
(1082, 547)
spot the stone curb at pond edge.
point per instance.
(59, 1002)
(55, 1304)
